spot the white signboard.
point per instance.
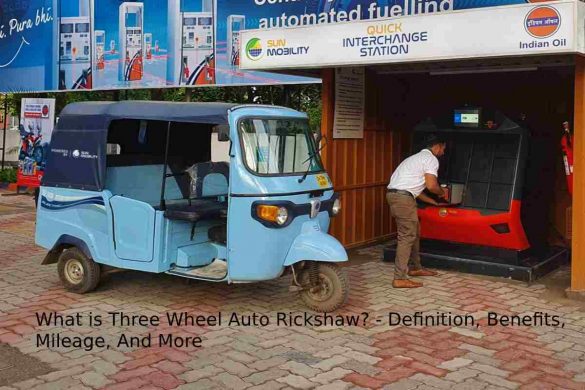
(349, 103)
(581, 27)
(501, 31)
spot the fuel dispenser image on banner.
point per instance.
(75, 46)
(131, 41)
(235, 23)
(197, 48)
(129, 61)
(191, 58)
(99, 46)
(148, 45)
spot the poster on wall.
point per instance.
(37, 120)
(348, 121)
(114, 44)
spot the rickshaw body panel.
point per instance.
(113, 230)
(65, 215)
(134, 227)
(313, 244)
(258, 252)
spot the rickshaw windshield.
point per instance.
(279, 146)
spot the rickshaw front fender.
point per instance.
(315, 246)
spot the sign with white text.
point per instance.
(49, 45)
(350, 95)
(488, 32)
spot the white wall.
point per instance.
(12, 140)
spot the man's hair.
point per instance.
(432, 140)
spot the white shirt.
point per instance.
(410, 174)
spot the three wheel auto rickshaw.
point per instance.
(133, 185)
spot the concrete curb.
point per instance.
(14, 187)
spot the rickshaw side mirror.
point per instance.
(318, 136)
(223, 133)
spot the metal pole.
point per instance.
(163, 204)
(4, 133)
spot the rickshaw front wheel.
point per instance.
(77, 272)
(331, 290)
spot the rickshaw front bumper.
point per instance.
(315, 245)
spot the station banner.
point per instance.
(58, 45)
(490, 32)
(37, 120)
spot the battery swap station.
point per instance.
(491, 225)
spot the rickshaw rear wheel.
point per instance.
(331, 291)
(77, 272)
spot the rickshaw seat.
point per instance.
(209, 179)
(198, 209)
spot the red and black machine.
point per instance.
(567, 148)
(494, 223)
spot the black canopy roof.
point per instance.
(208, 113)
(77, 154)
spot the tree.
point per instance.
(306, 97)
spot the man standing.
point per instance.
(408, 182)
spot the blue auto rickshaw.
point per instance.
(132, 185)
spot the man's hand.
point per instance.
(433, 185)
(427, 199)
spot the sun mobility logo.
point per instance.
(275, 48)
(254, 49)
(541, 23)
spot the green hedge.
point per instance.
(8, 175)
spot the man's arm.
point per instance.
(427, 199)
(432, 184)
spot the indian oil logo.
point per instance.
(254, 49)
(542, 22)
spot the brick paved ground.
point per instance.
(375, 356)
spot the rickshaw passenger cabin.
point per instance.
(132, 177)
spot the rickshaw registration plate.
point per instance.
(322, 181)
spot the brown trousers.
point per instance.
(404, 211)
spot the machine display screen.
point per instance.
(67, 28)
(205, 21)
(132, 20)
(467, 118)
(190, 22)
(82, 27)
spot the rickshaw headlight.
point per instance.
(282, 216)
(336, 207)
(271, 213)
